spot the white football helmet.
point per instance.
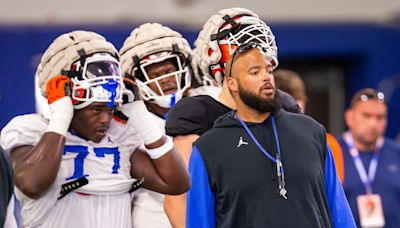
(153, 43)
(90, 62)
(100, 81)
(223, 33)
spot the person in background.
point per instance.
(371, 162)
(159, 60)
(292, 83)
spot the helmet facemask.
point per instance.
(240, 30)
(249, 29)
(181, 77)
(99, 80)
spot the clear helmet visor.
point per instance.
(102, 68)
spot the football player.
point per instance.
(158, 59)
(193, 116)
(76, 168)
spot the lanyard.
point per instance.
(366, 179)
(277, 160)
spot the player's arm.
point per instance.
(171, 176)
(36, 167)
(166, 174)
(175, 206)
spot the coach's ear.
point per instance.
(231, 83)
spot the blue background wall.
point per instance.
(370, 54)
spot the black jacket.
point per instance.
(244, 181)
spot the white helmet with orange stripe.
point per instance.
(223, 33)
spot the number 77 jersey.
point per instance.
(106, 165)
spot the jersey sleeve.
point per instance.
(186, 117)
(339, 207)
(23, 130)
(200, 205)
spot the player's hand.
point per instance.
(131, 92)
(57, 88)
(138, 116)
(60, 103)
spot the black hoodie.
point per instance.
(244, 181)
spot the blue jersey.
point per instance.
(386, 182)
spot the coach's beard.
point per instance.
(256, 102)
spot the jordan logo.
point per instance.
(109, 140)
(241, 142)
